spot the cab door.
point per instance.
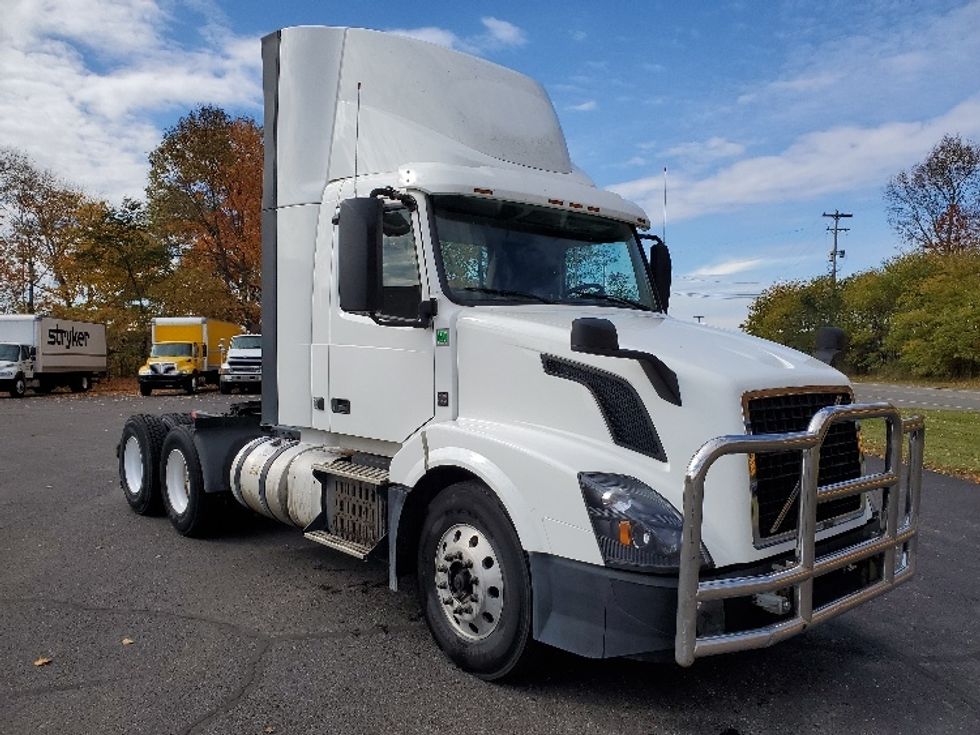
(381, 373)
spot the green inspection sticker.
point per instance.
(442, 337)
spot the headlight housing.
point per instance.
(145, 370)
(637, 529)
(224, 368)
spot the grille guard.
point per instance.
(901, 489)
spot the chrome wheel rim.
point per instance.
(178, 481)
(469, 582)
(133, 466)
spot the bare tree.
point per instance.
(935, 205)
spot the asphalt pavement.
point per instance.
(261, 631)
(918, 396)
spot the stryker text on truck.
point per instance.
(470, 374)
(45, 353)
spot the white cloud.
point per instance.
(83, 80)
(503, 33)
(432, 34)
(498, 34)
(838, 159)
(709, 150)
(587, 106)
(729, 267)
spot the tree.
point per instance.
(935, 205)
(936, 326)
(38, 236)
(791, 312)
(204, 195)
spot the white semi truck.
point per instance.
(45, 353)
(470, 374)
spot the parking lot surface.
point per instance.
(261, 631)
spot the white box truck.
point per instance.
(45, 353)
(471, 375)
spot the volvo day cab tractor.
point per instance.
(45, 353)
(186, 353)
(471, 375)
(242, 364)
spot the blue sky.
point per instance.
(765, 113)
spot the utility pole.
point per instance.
(834, 254)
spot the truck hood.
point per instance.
(517, 370)
(238, 352)
(696, 353)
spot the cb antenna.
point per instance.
(664, 232)
(357, 134)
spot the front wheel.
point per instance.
(19, 388)
(145, 389)
(224, 388)
(193, 385)
(192, 511)
(473, 582)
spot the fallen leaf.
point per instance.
(43, 661)
(128, 641)
(269, 729)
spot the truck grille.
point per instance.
(777, 473)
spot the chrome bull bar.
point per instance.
(901, 489)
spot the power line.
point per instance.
(834, 254)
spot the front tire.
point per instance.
(139, 459)
(192, 511)
(224, 388)
(473, 582)
(145, 389)
(19, 388)
(193, 385)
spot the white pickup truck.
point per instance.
(471, 375)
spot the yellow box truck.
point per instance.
(186, 353)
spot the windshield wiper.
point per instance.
(615, 300)
(505, 292)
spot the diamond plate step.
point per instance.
(339, 544)
(345, 468)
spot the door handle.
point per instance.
(340, 405)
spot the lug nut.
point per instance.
(441, 585)
(468, 564)
(442, 568)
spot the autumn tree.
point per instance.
(204, 197)
(791, 312)
(38, 236)
(935, 205)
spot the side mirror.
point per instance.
(660, 275)
(359, 254)
(33, 352)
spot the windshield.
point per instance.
(9, 353)
(171, 349)
(246, 342)
(494, 252)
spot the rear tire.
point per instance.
(139, 458)
(485, 628)
(192, 511)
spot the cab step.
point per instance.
(345, 546)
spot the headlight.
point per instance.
(145, 370)
(224, 368)
(636, 528)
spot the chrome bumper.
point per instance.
(901, 488)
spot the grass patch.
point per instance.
(954, 383)
(952, 441)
